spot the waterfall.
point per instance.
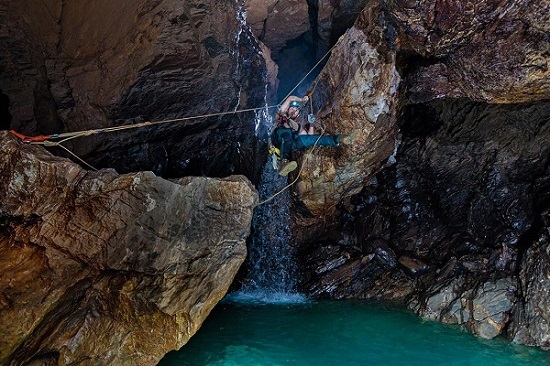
(271, 268)
(271, 265)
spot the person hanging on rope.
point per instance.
(293, 132)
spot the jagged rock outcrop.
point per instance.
(356, 95)
(275, 22)
(101, 268)
(484, 308)
(334, 17)
(483, 50)
(532, 318)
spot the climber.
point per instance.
(293, 132)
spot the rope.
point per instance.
(45, 140)
(310, 71)
(71, 135)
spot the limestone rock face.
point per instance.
(356, 94)
(109, 268)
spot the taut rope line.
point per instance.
(71, 135)
(311, 108)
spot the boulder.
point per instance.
(119, 269)
(482, 307)
(355, 95)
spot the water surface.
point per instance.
(241, 331)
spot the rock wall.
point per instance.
(102, 268)
(276, 22)
(28, 38)
(355, 95)
(532, 319)
(449, 223)
(488, 50)
(109, 64)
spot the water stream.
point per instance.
(270, 264)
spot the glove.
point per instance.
(311, 119)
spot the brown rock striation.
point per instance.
(101, 268)
(356, 96)
(275, 22)
(485, 51)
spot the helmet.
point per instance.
(295, 104)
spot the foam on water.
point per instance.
(262, 297)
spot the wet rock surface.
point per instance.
(463, 201)
(108, 267)
(484, 308)
(79, 67)
(532, 320)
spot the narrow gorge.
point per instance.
(119, 236)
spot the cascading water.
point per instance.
(271, 269)
(271, 264)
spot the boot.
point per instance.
(287, 167)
